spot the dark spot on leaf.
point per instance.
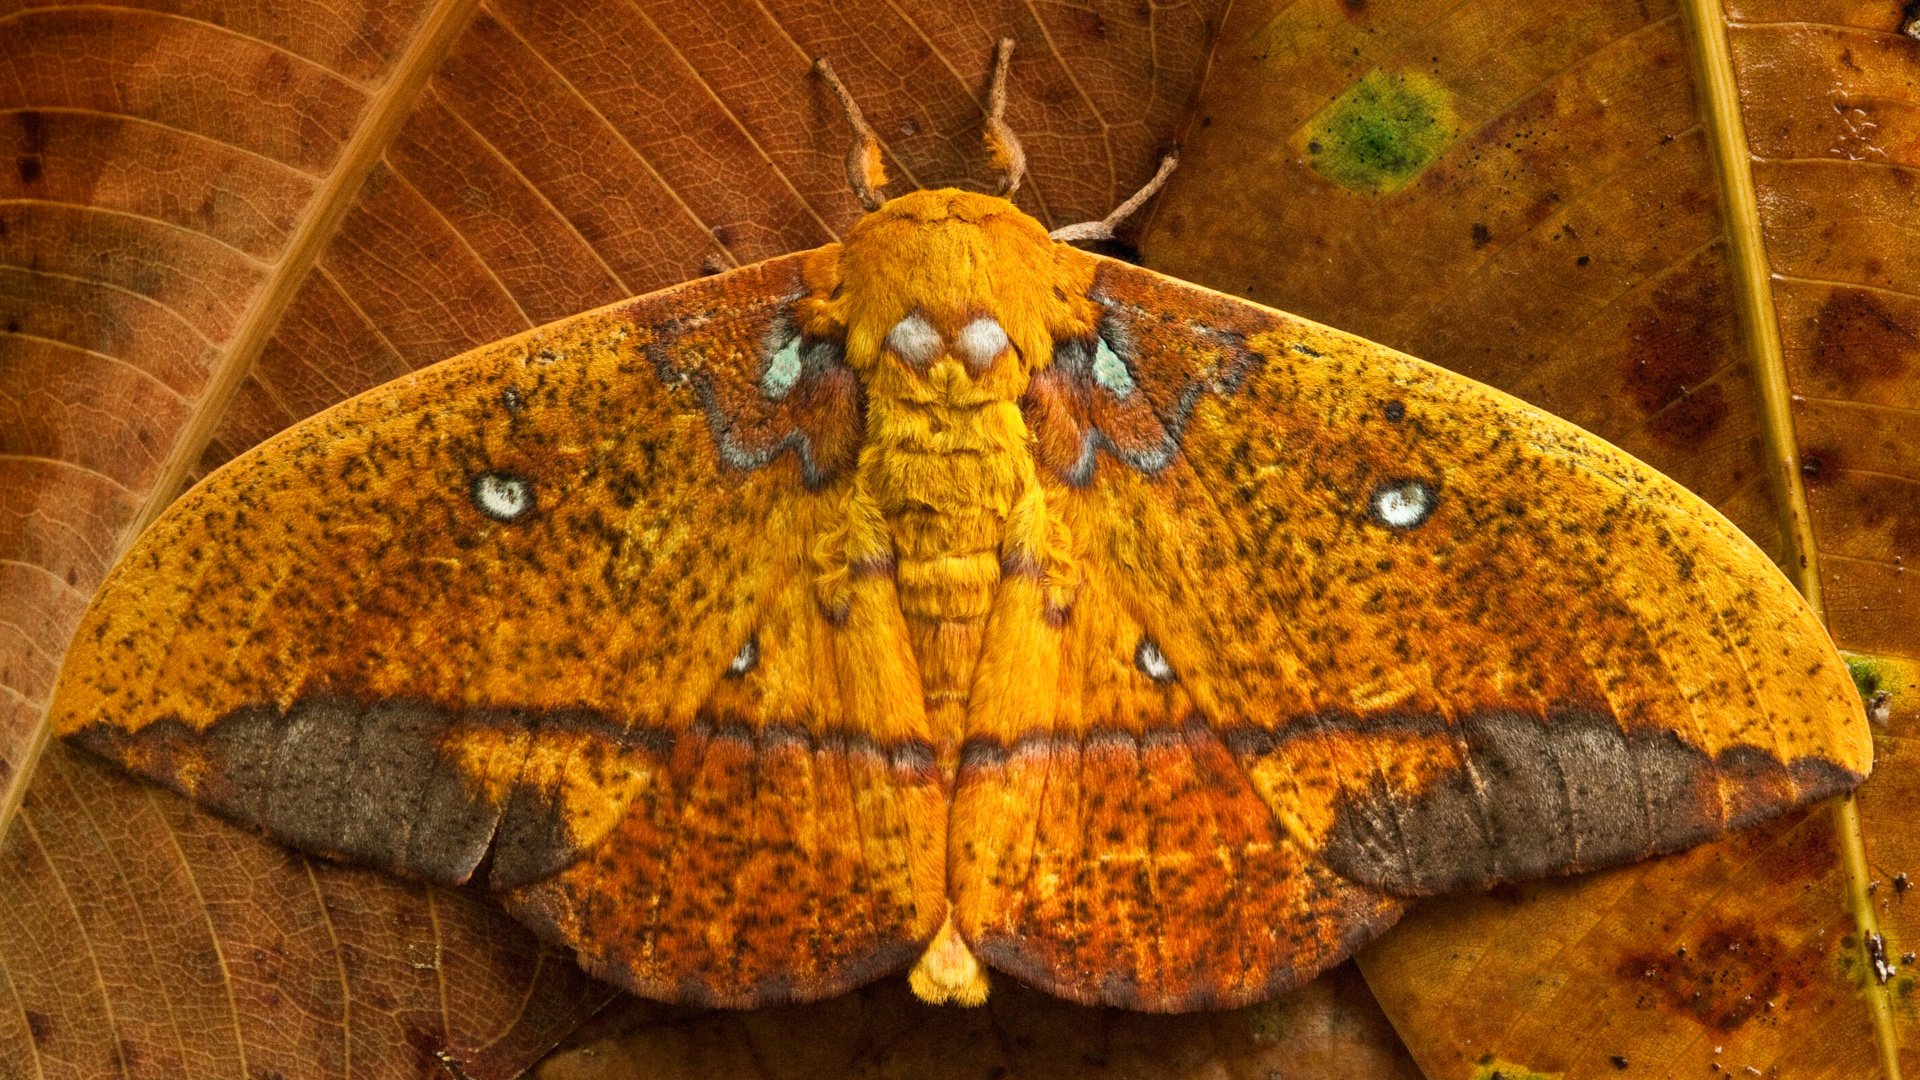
(1692, 419)
(1726, 979)
(1678, 343)
(1859, 339)
(1481, 237)
(1866, 675)
(33, 138)
(1805, 855)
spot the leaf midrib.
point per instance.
(1759, 327)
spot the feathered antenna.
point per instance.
(1003, 146)
(866, 175)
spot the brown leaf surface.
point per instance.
(1328, 1028)
(145, 938)
(1552, 198)
(216, 219)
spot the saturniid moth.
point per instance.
(951, 598)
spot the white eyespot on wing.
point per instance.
(915, 341)
(1403, 504)
(503, 496)
(1109, 370)
(979, 342)
(783, 369)
(745, 660)
(1152, 662)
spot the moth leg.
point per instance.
(866, 174)
(1103, 229)
(1039, 540)
(858, 544)
(1003, 146)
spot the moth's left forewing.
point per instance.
(1444, 639)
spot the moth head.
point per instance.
(958, 297)
(951, 294)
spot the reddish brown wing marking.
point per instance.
(1128, 389)
(1432, 637)
(769, 385)
(544, 614)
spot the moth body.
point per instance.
(948, 301)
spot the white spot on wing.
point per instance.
(979, 342)
(915, 341)
(1109, 370)
(1148, 658)
(745, 659)
(783, 369)
(1403, 504)
(503, 496)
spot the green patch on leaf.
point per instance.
(1380, 133)
(1889, 687)
(1490, 1067)
(1870, 675)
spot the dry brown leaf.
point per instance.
(1555, 199)
(144, 938)
(219, 219)
(1328, 1028)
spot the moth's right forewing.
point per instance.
(545, 613)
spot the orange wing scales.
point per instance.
(1142, 870)
(953, 593)
(744, 901)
